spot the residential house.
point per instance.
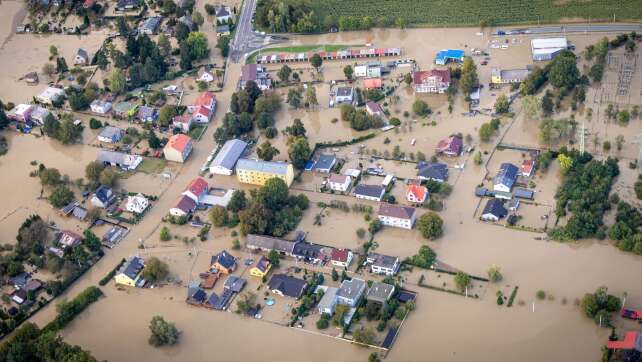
(234, 284)
(187, 21)
(287, 286)
(81, 58)
(494, 210)
(68, 239)
(227, 156)
(122, 160)
(397, 216)
(369, 192)
(20, 280)
(507, 76)
(183, 207)
(19, 296)
(224, 262)
(352, 172)
(195, 295)
(50, 95)
(130, 273)
(308, 252)
(257, 172)
(110, 134)
(223, 14)
(380, 293)
(341, 257)
(178, 148)
(339, 183)
(450, 146)
(261, 268)
(33, 285)
(383, 264)
(328, 302)
(524, 193)
(431, 81)
(416, 194)
(147, 114)
(21, 113)
(527, 168)
(124, 110)
(100, 107)
(149, 26)
(137, 204)
(268, 243)
(197, 189)
(372, 83)
(124, 5)
(182, 122)
(103, 197)
(506, 177)
(351, 292)
(374, 109)
(434, 171)
(87, 4)
(344, 95)
(222, 30)
(449, 55)
(203, 108)
(370, 70)
(257, 74)
(206, 76)
(325, 163)
(39, 115)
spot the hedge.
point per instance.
(69, 310)
(111, 274)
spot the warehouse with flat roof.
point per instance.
(547, 48)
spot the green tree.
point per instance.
(274, 258)
(531, 106)
(420, 108)
(53, 52)
(155, 269)
(624, 116)
(469, 78)
(197, 43)
(316, 61)
(49, 177)
(596, 72)
(152, 140)
(238, 201)
(294, 98)
(166, 114)
(299, 152)
(219, 216)
(164, 234)
(284, 73)
(297, 129)
(348, 71)
(374, 226)
(563, 71)
(117, 82)
(61, 196)
(485, 132)
(164, 45)
(407, 78)
(364, 335)
(311, 96)
(462, 281)
(266, 151)
(197, 18)
(495, 274)
(108, 177)
(501, 104)
(430, 225)
(162, 332)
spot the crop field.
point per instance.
(472, 12)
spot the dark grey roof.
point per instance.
(433, 171)
(132, 267)
(104, 194)
(344, 91)
(400, 212)
(82, 53)
(231, 151)
(380, 292)
(352, 289)
(383, 261)
(495, 207)
(223, 29)
(325, 162)
(222, 11)
(111, 157)
(507, 175)
(197, 296)
(481, 191)
(234, 284)
(127, 3)
(80, 213)
(21, 279)
(225, 259)
(524, 193)
(287, 285)
(151, 23)
(306, 250)
(269, 243)
(369, 190)
(111, 132)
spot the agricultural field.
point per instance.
(464, 12)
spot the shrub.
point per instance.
(162, 332)
(95, 124)
(541, 295)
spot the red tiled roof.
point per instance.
(205, 99)
(374, 107)
(527, 166)
(178, 142)
(340, 255)
(417, 190)
(632, 340)
(197, 186)
(204, 111)
(338, 178)
(451, 144)
(372, 83)
(421, 76)
(181, 119)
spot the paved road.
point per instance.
(245, 39)
(573, 28)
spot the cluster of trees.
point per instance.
(424, 258)
(625, 230)
(562, 72)
(359, 119)
(68, 310)
(248, 107)
(155, 270)
(270, 211)
(600, 306)
(584, 193)
(29, 343)
(81, 99)
(162, 332)
(488, 129)
(552, 130)
(501, 104)
(64, 130)
(286, 16)
(469, 78)
(97, 174)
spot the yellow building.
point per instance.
(261, 268)
(130, 273)
(257, 172)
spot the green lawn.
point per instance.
(195, 132)
(151, 165)
(471, 12)
(298, 49)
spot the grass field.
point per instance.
(152, 165)
(472, 12)
(298, 49)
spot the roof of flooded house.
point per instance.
(104, 193)
(381, 260)
(82, 53)
(527, 166)
(69, 238)
(421, 77)
(444, 55)
(205, 99)
(197, 186)
(352, 289)
(374, 107)
(111, 132)
(495, 207)
(272, 167)
(344, 91)
(132, 267)
(223, 11)
(380, 292)
(340, 255)
(234, 283)
(225, 259)
(185, 204)
(632, 340)
(372, 83)
(145, 112)
(263, 264)
(248, 72)
(452, 144)
(420, 192)
(116, 157)
(399, 212)
(231, 151)
(270, 243)
(304, 249)
(507, 175)
(185, 118)
(329, 298)
(287, 285)
(369, 190)
(179, 142)
(336, 178)
(52, 92)
(325, 162)
(523, 193)
(123, 107)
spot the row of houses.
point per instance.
(336, 55)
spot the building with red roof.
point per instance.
(178, 148)
(527, 167)
(374, 109)
(373, 83)
(431, 81)
(416, 193)
(339, 183)
(450, 146)
(203, 108)
(182, 122)
(631, 341)
(196, 189)
(341, 257)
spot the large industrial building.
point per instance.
(547, 48)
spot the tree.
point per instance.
(501, 104)
(166, 114)
(164, 234)
(68, 131)
(223, 43)
(284, 73)
(246, 302)
(424, 258)
(596, 72)
(61, 196)
(339, 313)
(316, 61)
(197, 18)
(563, 71)
(155, 269)
(53, 52)
(61, 65)
(299, 152)
(374, 226)
(238, 201)
(274, 258)
(197, 43)
(49, 177)
(108, 177)
(294, 98)
(297, 129)
(495, 274)
(164, 45)
(185, 56)
(407, 78)
(364, 335)
(565, 163)
(348, 71)
(93, 170)
(266, 151)
(218, 216)
(152, 140)
(117, 81)
(600, 305)
(469, 78)
(547, 105)
(168, 7)
(623, 116)
(462, 281)
(430, 225)
(485, 132)
(420, 108)
(162, 332)
(311, 96)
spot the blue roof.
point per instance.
(325, 162)
(495, 207)
(231, 151)
(523, 193)
(133, 268)
(507, 175)
(433, 171)
(287, 285)
(104, 194)
(225, 259)
(443, 56)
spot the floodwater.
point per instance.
(444, 327)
